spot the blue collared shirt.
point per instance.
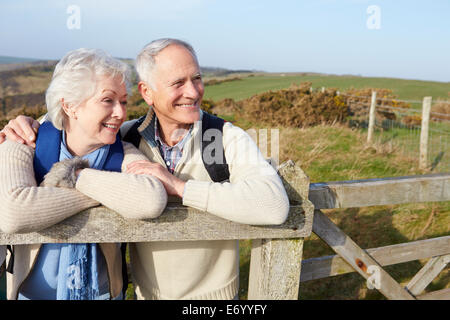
(171, 155)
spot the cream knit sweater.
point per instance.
(209, 269)
(26, 207)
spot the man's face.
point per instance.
(178, 87)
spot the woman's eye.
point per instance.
(107, 100)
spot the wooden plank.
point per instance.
(360, 260)
(443, 294)
(327, 266)
(296, 184)
(275, 264)
(177, 223)
(427, 274)
(275, 268)
(374, 192)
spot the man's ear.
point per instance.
(146, 92)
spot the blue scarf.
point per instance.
(78, 271)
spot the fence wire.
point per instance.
(404, 130)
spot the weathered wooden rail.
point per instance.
(276, 266)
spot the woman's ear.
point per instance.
(68, 110)
(146, 92)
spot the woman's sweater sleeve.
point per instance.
(255, 193)
(25, 207)
(132, 196)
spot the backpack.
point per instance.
(217, 172)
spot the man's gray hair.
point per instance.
(75, 80)
(145, 61)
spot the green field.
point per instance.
(249, 86)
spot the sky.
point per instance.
(380, 38)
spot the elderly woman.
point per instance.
(77, 165)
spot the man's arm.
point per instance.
(255, 193)
(22, 130)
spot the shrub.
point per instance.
(296, 106)
(441, 110)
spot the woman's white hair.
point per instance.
(145, 61)
(75, 80)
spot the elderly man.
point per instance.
(171, 83)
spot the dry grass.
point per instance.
(336, 152)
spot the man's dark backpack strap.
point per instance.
(218, 172)
(132, 135)
(10, 267)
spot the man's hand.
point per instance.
(173, 185)
(22, 130)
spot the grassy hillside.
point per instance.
(405, 89)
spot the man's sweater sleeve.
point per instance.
(132, 196)
(255, 193)
(25, 207)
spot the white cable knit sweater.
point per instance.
(209, 269)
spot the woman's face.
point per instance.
(97, 121)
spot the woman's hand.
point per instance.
(173, 185)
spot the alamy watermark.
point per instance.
(374, 20)
(74, 19)
(374, 281)
(74, 277)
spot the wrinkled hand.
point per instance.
(22, 130)
(173, 185)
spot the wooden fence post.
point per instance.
(426, 108)
(275, 264)
(373, 104)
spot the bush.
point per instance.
(296, 106)
(359, 101)
(441, 110)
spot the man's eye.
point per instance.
(124, 103)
